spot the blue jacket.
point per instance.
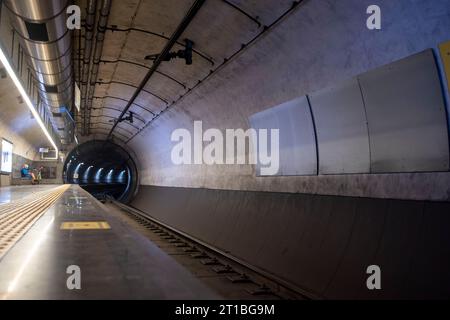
(25, 173)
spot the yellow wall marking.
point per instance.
(445, 56)
(85, 225)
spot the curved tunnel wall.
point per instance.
(315, 47)
(327, 229)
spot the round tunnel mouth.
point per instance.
(102, 168)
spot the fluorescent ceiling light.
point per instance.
(27, 100)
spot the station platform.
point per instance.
(74, 230)
(12, 193)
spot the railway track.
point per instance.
(258, 284)
(17, 217)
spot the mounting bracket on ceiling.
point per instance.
(129, 118)
(185, 54)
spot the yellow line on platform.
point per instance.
(85, 225)
(20, 217)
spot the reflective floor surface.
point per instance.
(114, 261)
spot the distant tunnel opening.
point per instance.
(103, 169)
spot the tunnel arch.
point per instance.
(102, 168)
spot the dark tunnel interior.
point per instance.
(102, 168)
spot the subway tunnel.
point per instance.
(225, 149)
(109, 173)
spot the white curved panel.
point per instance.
(298, 155)
(341, 125)
(406, 115)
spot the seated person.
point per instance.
(25, 173)
(39, 174)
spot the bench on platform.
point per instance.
(20, 181)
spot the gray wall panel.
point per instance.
(226, 212)
(402, 228)
(361, 250)
(298, 155)
(406, 115)
(432, 246)
(322, 244)
(342, 136)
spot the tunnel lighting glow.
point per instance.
(78, 168)
(27, 100)
(97, 175)
(68, 165)
(121, 177)
(109, 176)
(86, 174)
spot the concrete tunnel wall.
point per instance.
(325, 230)
(319, 44)
(320, 244)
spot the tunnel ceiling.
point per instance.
(135, 29)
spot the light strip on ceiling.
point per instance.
(27, 100)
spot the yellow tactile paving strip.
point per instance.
(18, 216)
(85, 225)
(7, 207)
